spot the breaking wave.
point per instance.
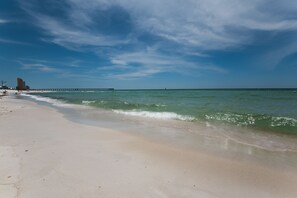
(55, 102)
(156, 115)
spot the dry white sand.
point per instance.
(44, 155)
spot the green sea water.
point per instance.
(268, 110)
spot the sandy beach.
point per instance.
(43, 154)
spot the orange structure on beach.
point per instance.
(21, 84)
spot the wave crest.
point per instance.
(156, 115)
(252, 119)
(88, 102)
(52, 101)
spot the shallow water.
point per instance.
(242, 143)
(268, 110)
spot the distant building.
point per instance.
(4, 87)
(21, 85)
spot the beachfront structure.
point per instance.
(21, 84)
(74, 89)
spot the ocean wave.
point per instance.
(52, 101)
(87, 102)
(240, 120)
(253, 120)
(160, 105)
(139, 104)
(156, 115)
(126, 105)
(283, 121)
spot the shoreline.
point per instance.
(250, 138)
(46, 155)
(192, 107)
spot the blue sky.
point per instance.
(149, 43)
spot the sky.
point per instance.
(133, 44)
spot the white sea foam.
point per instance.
(90, 91)
(87, 102)
(249, 119)
(54, 102)
(241, 120)
(283, 121)
(160, 105)
(156, 115)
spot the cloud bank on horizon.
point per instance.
(217, 41)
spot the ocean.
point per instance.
(265, 110)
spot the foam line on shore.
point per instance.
(55, 102)
(156, 115)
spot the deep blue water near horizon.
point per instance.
(268, 110)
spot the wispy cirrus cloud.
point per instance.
(147, 63)
(217, 24)
(75, 63)
(203, 24)
(274, 57)
(9, 41)
(73, 30)
(72, 38)
(195, 26)
(45, 66)
(3, 21)
(39, 67)
(62, 69)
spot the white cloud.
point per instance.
(66, 62)
(147, 63)
(39, 67)
(135, 74)
(73, 38)
(272, 58)
(70, 32)
(65, 69)
(195, 25)
(215, 24)
(3, 21)
(9, 41)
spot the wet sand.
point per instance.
(43, 154)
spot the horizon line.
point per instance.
(123, 89)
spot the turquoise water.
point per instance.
(269, 110)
